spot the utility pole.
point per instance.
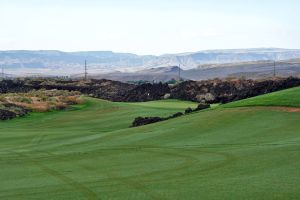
(274, 69)
(85, 70)
(179, 71)
(2, 73)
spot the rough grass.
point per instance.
(89, 153)
(42, 100)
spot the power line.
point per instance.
(179, 73)
(287, 63)
(274, 71)
(276, 63)
(85, 70)
(2, 73)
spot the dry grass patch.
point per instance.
(42, 100)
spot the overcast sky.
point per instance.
(148, 26)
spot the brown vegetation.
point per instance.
(18, 104)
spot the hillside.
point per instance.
(90, 153)
(286, 98)
(28, 63)
(248, 70)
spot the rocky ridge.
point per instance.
(211, 91)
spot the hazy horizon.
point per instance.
(165, 53)
(148, 27)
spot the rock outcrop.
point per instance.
(11, 111)
(220, 91)
(210, 91)
(147, 92)
(6, 114)
(12, 86)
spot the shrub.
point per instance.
(188, 110)
(61, 106)
(202, 106)
(177, 115)
(25, 100)
(74, 100)
(141, 121)
(2, 99)
(38, 100)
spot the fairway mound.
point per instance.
(288, 99)
(247, 150)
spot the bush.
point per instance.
(202, 106)
(177, 115)
(61, 106)
(2, 99)
(141, 121)
(37, 100)
(25, 100)
(188, 110)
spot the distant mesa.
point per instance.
(250, 63)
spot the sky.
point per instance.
(148, 26)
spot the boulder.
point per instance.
(207, 97)
(167, 96)
(6, 114)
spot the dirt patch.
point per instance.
(288, 109)
(272, 108)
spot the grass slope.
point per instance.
(289, 97)
(89, 153)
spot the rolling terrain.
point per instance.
(249, 70)
(242, 150)
(58, 63)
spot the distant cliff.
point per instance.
(58, 62)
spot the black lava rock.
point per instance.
(6, 114)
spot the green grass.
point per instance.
(289, 97)
(90, 153)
